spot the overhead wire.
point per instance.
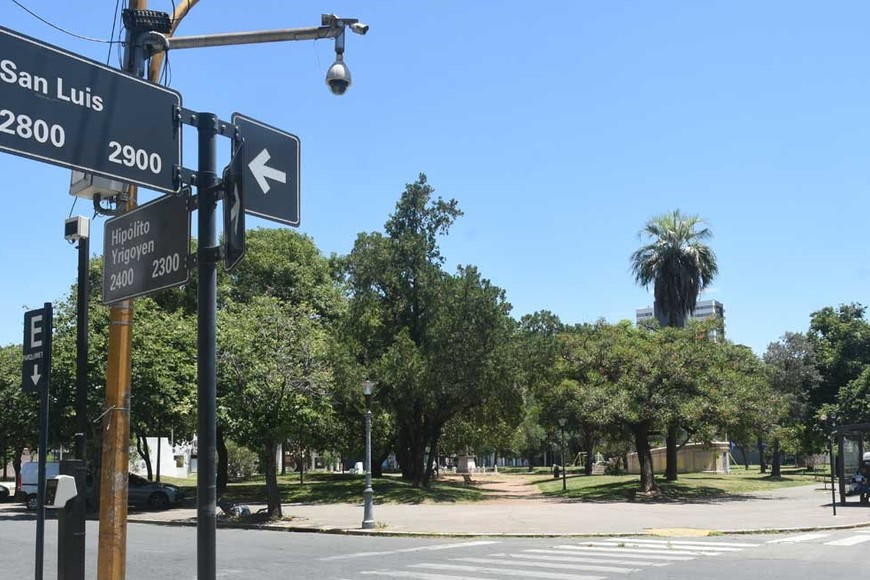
(56, 27)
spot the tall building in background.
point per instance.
(703, 309)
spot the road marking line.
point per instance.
(553, 565)
(650, 549)
(796, 539)
(420, 575)
(712, 545)
(623, 553)
(591, 559)
(850, 541)
(508, 572)
(673, 546)
(406, 550)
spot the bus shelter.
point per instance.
(850, 452)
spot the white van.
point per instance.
(26, 491)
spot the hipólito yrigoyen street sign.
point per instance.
(146, 249)
(37, 349)
(64, 109)
(271, 180)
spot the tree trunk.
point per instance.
(644, 456)
(761, 460)
(301, 467)
(589, 448)
(142, 448)
(158, 456)
(16, 461)
(377, 466)
(223, 464)
(671, 452)
(743, 453)
(273, 495)
(776, 467)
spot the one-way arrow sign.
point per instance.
(270, 184)
(261, 171)
(234, 209)
(37, 349)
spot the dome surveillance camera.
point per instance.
(338, 77)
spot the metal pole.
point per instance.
(564, 485)
(82, 305)
(368, 518)
(43, 444)
(833, 495)
(207, 258)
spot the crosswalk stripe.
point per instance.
(650, 550)
(580, 559)
(795, 539)
(507, 572)
(419, 575)
(675, 545)
(552, 565)
(716, 545)
(415, 549)
(850, 541)
(623, 553)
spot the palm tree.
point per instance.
(679, 265)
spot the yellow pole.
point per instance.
(112, 551)
(157, 60)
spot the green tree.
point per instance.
(19, 411)
(792, 373)
(679, 264)
(840, 339)
(275, 378)
(437, 343)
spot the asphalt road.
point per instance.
(169, 552)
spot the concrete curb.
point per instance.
(430, 534)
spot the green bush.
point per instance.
(241, 461)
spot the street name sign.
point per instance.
(271, 179)
(37, 350)
(146, 249)
(61, 108)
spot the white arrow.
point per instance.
(261, 171)
(234, 209)
(35, 376)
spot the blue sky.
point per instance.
(560, 127)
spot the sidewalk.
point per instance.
(788, 509)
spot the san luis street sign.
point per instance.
(61, 108)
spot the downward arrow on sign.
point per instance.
(35, 376)
(261, 171)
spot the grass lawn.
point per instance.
(688, 487)
(341, 488)
(320, 487)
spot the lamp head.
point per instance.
(562, 421)
(367, 388)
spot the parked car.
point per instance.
(26, 491)
(7, 490)
(152, 494)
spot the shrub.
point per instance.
(241, 461)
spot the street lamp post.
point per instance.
(562, 425)
(368, 517)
